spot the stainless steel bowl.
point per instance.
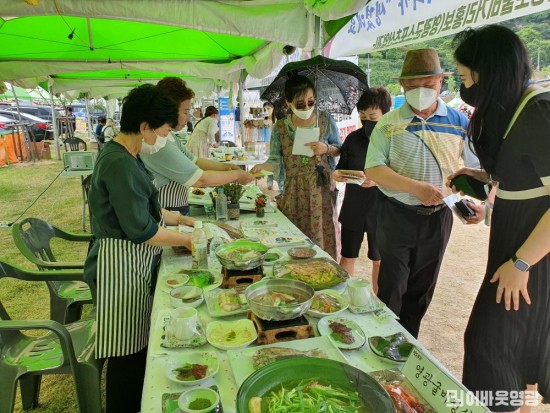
(282, 312)
(241, 263)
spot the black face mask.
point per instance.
(470, 95)
(368, 125)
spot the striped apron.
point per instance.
(126, 278)
(173, 196)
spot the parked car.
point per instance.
(5, 122)
(40, 128)
(43, 112)
(79, 110)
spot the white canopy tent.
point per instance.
(114, 88)
(100, 38)
(208, 39)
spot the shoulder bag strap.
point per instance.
(524, 102)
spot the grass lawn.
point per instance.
(61, 205)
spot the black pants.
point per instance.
(124, 382)
(411, 249)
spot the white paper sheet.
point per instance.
(303, 136)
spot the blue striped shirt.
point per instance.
(425, 150)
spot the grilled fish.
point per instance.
(268, 355)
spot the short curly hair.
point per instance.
(176, 88)
(147, 103)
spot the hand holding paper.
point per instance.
(350, 176)
(261, 174)
(301, 138)
(318, 148)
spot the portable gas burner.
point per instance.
(237, 278)
(277, 331)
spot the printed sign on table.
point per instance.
(442, 392)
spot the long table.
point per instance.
(156, 383)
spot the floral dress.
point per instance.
(307, 202)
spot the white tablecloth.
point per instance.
(156, 383)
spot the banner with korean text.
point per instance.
(384, 24)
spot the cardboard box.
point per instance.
(41, 150)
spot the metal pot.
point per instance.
(279, 312)
(241, 245)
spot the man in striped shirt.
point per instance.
(412, 151)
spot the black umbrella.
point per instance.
(339, 83)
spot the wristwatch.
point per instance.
(520, 264)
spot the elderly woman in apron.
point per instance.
(175, 168)
(309, 196)
(124, 260)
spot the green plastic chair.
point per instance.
(33, 237)
(64, 349)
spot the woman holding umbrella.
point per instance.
(309, 196)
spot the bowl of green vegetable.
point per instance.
(241, 254)
(313, 382)
(198, 400)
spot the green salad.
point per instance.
(199, 278)
(309, 396)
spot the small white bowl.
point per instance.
(174, 280)
(276, 252)
(186, 296)
(191, 395)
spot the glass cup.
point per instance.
(182, 323)
(360, 293)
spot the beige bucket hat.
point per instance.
(421, 63)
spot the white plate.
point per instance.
(342, 300)
(398, 340)
(231, 335)
(213, 305)
(359, 338)
(208, 358)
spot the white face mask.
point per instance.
(160, 143)
(302, 114)
(421, 98)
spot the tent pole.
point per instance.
(88, 119)
(30, 149)
(55, 128)
(241, 104)
(16, 100)
(318, 38)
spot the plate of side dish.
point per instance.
(345, 333)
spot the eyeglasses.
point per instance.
(303, 105)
